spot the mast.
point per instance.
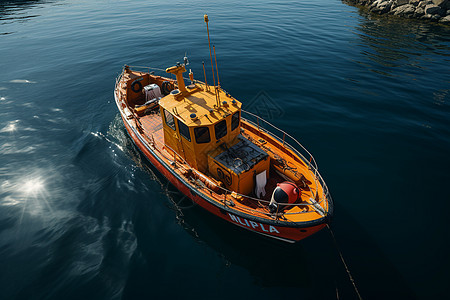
(217, 69)
(204, 73)
(210, 54)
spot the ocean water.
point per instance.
(84, 216)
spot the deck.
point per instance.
(152, 125)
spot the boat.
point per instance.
(228, 161)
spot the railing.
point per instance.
(227, 194)
(118, 79)
(150, 69)
(164, 74)
(285, 138)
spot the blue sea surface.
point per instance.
(83, 215)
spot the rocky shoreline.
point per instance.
(432, 10)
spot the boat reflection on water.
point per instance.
(261, 256)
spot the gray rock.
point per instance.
(430, 17)
(383, 7)
(387, 8)
(440, 3)
(375, 10)
(434, 10)
(374, 4)
(401, 2)
(378, 6)
(382, 3)
(423, 3)
(404, 10)
(445, 20)
(419, 12)
(426, 17)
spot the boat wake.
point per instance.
(118, 137)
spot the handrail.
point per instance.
(161, 70)
(147, 68)
(229, 192)
(311, 163)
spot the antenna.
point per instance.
(217, 70)
(210, 54)
(204, 73)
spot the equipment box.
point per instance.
(238, 165)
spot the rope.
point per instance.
(337, 291)
(345, 265)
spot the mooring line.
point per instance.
(337, 291)
(343, 262)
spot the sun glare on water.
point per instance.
(33, 186)
(29, 193)
(11, 127)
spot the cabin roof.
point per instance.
(202, 103)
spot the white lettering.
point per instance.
(233, 217)
(262, 227)
(254, 224)
(239, 219)
(273, 229)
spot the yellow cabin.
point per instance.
(202, 125)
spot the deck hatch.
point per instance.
(241, 157)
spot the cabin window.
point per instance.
(169, 119)
(235, 121)
(202, 135)
(184, 130)
(220, 129)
